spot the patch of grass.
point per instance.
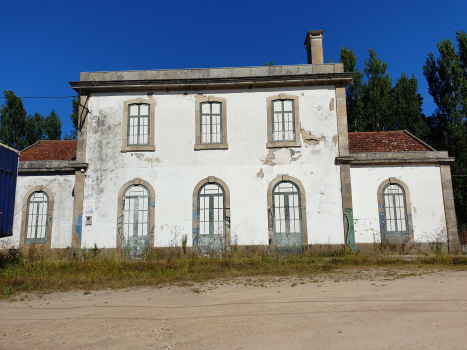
(41, 274)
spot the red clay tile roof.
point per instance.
(384, 141)
(50, 150)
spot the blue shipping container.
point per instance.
(8, 175)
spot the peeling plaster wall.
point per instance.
(62, 188)
(424, 183)
(175, 168)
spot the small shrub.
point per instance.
(11, 256)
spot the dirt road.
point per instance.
(377, 309)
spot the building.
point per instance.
(255, 155)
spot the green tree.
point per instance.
(19, 130)
(74, 120)
(13, 121)
(407, 107)
(378, 95)
(447, 84)
(354, 91)
(373, 104)
(34, 128)
(52, 126)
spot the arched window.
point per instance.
(287, 214)
(136, 217)
(211, 204)
(395, 211)
(135, 212)
(36, 219)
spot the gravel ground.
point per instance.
(357, 309)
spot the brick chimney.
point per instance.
(314, 46)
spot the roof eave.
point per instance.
(396, 158)
(336, 79)
(50, 166)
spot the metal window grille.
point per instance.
(36, 225)
(287, 208)
(211, 204)
(395, 209)
(138, 126)
(283, 126)
(211, 122)
(136, 212)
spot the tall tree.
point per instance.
(354, 91)
(13, 121)
(74, 120)
(53, 126)
(373, 104)
(19, 130)
(407, 107)
(34, 128)
(447, 83)
(378, 98)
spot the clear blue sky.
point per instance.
(45, 44)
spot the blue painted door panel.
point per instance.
(8, 176)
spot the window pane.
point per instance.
(288, 105)
(277, 118)
(206, 108)
(216, 108)
(285, 187)
(277, 105)
(143, 110)
(133, 110)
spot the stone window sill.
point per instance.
(211, 146)
(284, 144)
(139, 148)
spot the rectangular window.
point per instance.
(283, 126)
(138, 124)
(211, 122)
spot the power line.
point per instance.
(46, 97)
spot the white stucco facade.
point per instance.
(424, 184)
(61, 220)
(175, 167)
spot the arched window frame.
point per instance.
(150, 146)
(211, 223)
(136, 209)
(195, 221)
(270, 200)
(270, 123)
(382, 213)
(50, 209)
(200, 100)
(152, 215)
